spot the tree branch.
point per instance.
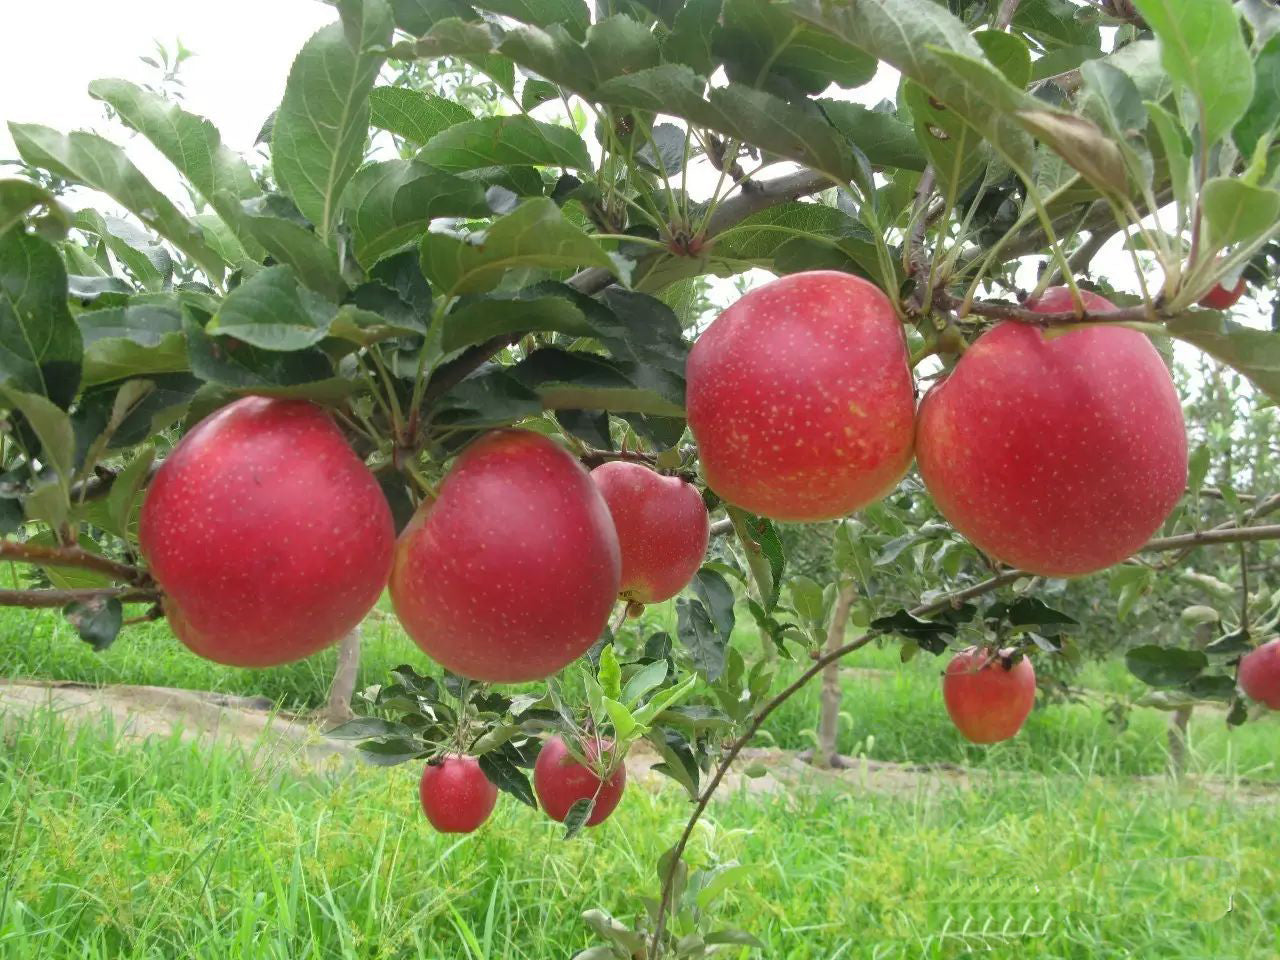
(70, 557)
(1009, 311)
(60, 598)
(1007, 11)
(1203, 538)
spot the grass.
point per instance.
(112, 849)
(892, 712)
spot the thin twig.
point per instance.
(60, 598)
(1009, 311)
(70, 557)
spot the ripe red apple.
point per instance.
(1221, 298)
(509, 574)
(662, 529)
(1260, 674)
(456, 795)
(1059, 455)
(801, 398)
(560, 781)
(268, 536)
(987, 701)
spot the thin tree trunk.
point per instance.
(1178, 721)
(829, 718)
(338, 709)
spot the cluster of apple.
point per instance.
(1056, 454)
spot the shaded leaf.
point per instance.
(1165, 666)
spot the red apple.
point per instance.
(801, 398)
(662, 529)
(1260, 674)
(1221, 298)
(510, 573)
(1059, 455)
(268, 536)
(456, 795)
(560, 781)
(988, 702)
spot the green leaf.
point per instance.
(96, 621)
(491, 398)
(366, 728)
(761, 46)
(698, 633)
(576, 817)
(1236, 212)
(1082, 144)
(572, 14)
(190, 142)
(1255, 353)
(766, 535)
(144, 256)
(535, 234)
(717, 596)
(138, 339)
(19, 197)
(1177, 152)
(643, 681)
(586, 381)
(270, 310)
(806, 597)
(40, 344)
(388, 753)
(930, 634)
(886, 140)
(323, 121)
(389, 204)
(1264, 110)
(914, 36)
(1165, 666)
(678, 760)
(505, 141)
(722, 879)
(507, 777)
(609, 673)
(244, 368)
(1203, 49)
(624, 724)
(689, 41)
(51, 425)
(955, 149)
(413, 115)
(122, 500)
(1055, 22)
(88, 159)
(1009, 54)
(270, 221)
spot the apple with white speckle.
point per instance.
(801, 399)
(456, 796)
(989, 695)
(510, 572)
(662, 527)
(1260, 674)
(268, 535)
(561, 781)
(1057, 454)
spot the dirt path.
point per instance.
(276, 738)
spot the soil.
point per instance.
(278, 738)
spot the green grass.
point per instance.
(110, 849)
(895, 715)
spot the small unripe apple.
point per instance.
(801, 398)
(560, 781)
(1223, 298)
(510, 573)
(1060, 455)
(268, 536)
(662, 527)
(1260, 674)
(456, 795)
(988, 702)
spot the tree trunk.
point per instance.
(1178, 721)
(829, 718)
(338, 709)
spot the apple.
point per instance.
(268, 536)
(1260, 674)
(1221, 298)
(560, 781)
(662, 527)
(510, 572)
(456, 795)
(987, 700)
(1058, 454)
(801, 399)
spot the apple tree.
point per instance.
(472, 263)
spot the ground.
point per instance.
(122, 839)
